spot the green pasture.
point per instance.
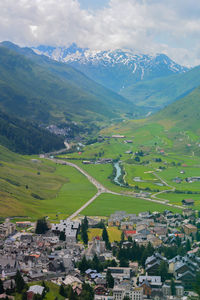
(107, 204)
(110, 148)
(171, 172)
(73, 194)
(143, 172)
(101, 172)
(175, 198)
(36, 188)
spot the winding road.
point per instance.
(102, 189)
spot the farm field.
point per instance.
(146, 178)
(107, 204)
(101, 172)
(172, 172)
(73, 194)
(113, 232)
(177, 198)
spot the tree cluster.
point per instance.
(41, 226)
(95, 264)
(68, 292)
(27, 138)
(133, 252)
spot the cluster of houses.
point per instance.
(155, 228)
(102, 161)
(47, 257)
(187, 179)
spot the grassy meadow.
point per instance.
(35, 188)
(107, 204)
(113, 232)
(175, 198)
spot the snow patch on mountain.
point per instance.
(129, 58)
(115, 69)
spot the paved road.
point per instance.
(101, 189)
(172, 189)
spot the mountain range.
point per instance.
(146, 80)
(37, 88)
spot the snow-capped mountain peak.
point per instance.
(115, 69)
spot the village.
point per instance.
(156, 257)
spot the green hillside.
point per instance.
(157, 93)
(184, 113)
(39, 89)
(25, 137)
(33, 187)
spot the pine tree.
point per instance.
(188, 245)
(1, 287)
(19, 281)
(173, 288)
(87, 292)
(84, 236)
(71, 295)
(109, 279)
(62, 291)
(105, 235)
(96, 264)
(85, 222)
(122, 237)
(83, 265)
(163, 270)
(106, 238)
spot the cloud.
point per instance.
(171, 26)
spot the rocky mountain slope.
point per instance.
(115, 69)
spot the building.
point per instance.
(189, 229)
(126, 226)
(120, 272)
(187, 212)
(70, 229)
(34, 290)
(134, 293)
(97, 246)
(23, 224)
(188, 202)
(6, 229)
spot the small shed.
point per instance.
(188, 202)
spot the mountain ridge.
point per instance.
(115, 69)
(43, 90)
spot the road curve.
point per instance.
(101, 189)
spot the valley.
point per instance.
(110, 156)
(99, 150)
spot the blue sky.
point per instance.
(93, 4)
(171, 27)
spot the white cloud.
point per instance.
(170, 26)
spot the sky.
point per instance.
(148, 26)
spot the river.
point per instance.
(118, 173)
